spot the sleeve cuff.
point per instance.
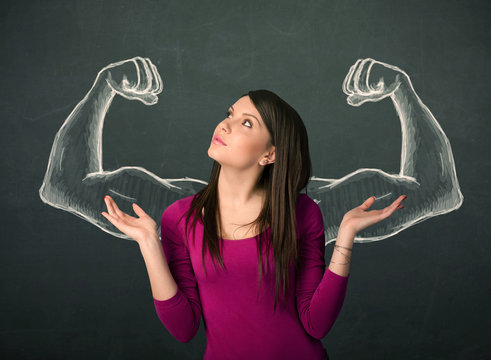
(171, 302)
(335, 276)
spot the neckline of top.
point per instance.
(249, 238)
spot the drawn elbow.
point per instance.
(448, 201)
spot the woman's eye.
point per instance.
(248, 122)
(227, 114)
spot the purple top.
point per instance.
(239, 321)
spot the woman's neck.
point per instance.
(238, 189)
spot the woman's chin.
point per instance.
(213, 156)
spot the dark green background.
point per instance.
(72, 291)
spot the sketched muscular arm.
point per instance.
(75, 180)
(427, 173)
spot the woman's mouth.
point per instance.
(218, 140)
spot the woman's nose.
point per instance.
(224, 126)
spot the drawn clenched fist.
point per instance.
(134, 79)
(360, 84)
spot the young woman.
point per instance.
(267, 237)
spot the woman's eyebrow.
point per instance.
(249, 115)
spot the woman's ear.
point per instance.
(272, 154)
(269, 158)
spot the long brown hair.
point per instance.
(282, 182)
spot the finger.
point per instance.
(139, 72)
(347, 88)
(360, 76)
(109, 217)
(161, 84)
(365, 80)
(399, 200)
(138, 210)
(144, 75)
(395, 205)
(120, 225)
(371, 86)
(353, 80)
(107, 201)
(148, 79)
(153, 80)
(155, 77)
(113, 208)
(348, 80)
(132, 86)
(159, 79)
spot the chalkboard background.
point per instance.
(72, 291)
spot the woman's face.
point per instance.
(245, 135)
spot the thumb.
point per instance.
(357, 100)
(147, 99)
(368, 202)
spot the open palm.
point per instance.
(139, 228)
(359, 218)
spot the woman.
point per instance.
(251, 208)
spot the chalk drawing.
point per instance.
(76, 182)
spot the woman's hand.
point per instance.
(139, 229)
(134, 79)
(359, 218)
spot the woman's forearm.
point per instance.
(77, 148)
(161, 280)
(341, 256)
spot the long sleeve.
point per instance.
(320, 292)
(181, 314)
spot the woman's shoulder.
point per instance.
(305, 203)
(178, 207)
(308, 213)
